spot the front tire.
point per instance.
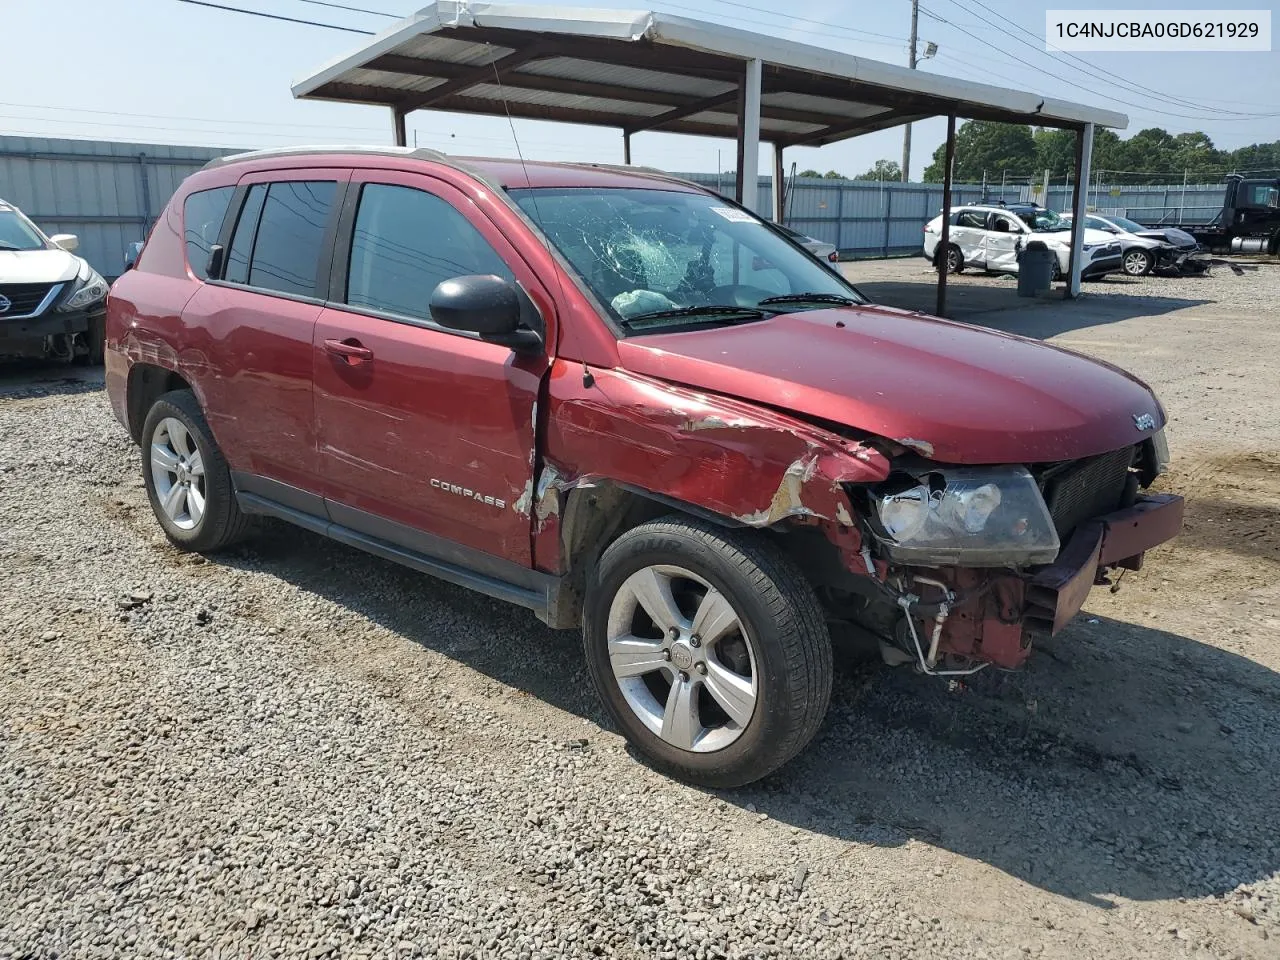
(1138, 263)
(96, 340)
(709, 649)
(187, 479)
(955, 259)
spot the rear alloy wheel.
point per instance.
(955, 259)
(177, 473)
(1137, 263)
(709, 649)
(187, 478)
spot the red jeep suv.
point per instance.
(632, 406)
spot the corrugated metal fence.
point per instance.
(870, 219)
(108, 194)
(1168, 203)
(863, 218)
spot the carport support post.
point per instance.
(779, 184)
(748, 190)
(397, 127)
(626, 147)
(1079, 204)
(945, 242)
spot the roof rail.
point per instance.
(421, 153)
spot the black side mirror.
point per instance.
(486, 305)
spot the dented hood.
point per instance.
(954, 392)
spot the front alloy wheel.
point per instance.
(1137, 263)
(682, 658)
(709, 649)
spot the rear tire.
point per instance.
(724, 709)
(187, 479)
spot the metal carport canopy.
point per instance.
(642, 70)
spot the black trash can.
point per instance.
(1035, 269)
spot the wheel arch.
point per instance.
(147, 382)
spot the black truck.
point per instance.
(1249, 221)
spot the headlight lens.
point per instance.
(89, 289)
(967, 516)
(1160, 448)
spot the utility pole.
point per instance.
(911, 62)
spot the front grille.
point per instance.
(23, 297)
(1087, 488)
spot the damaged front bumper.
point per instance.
(1056, 593)
(993, 617)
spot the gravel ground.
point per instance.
(297, 750)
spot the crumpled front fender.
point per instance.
(741, 461)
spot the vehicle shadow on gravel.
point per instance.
(1123, 761)
(999, 307)
(21, 380)
(1099, 307)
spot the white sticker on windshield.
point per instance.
(735, 216)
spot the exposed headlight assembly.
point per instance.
(88, 289)
(965, 516)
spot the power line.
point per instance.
(276, 16)
(1078, 86)
(343, 6)
(826, 27)
(1092, 69)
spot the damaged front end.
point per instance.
(974, 562)
(952, 567)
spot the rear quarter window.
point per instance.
(202, 216)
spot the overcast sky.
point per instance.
(164, 71)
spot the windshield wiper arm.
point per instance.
(809, 298)
(8, 246)
(706, 310)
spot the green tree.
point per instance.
(834, 175)
(882, 170)
(986, 146)
(1257, 156)
(1153, 150)
(809, 173)
(1056, 150)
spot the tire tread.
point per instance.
(800, 629)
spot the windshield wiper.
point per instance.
(706, 310)
(9, 246)
(810, 298)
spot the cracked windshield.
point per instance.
(666, 258)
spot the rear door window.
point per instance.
(291, 230)
(971, 218)
(202, 216)
(406, 241)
